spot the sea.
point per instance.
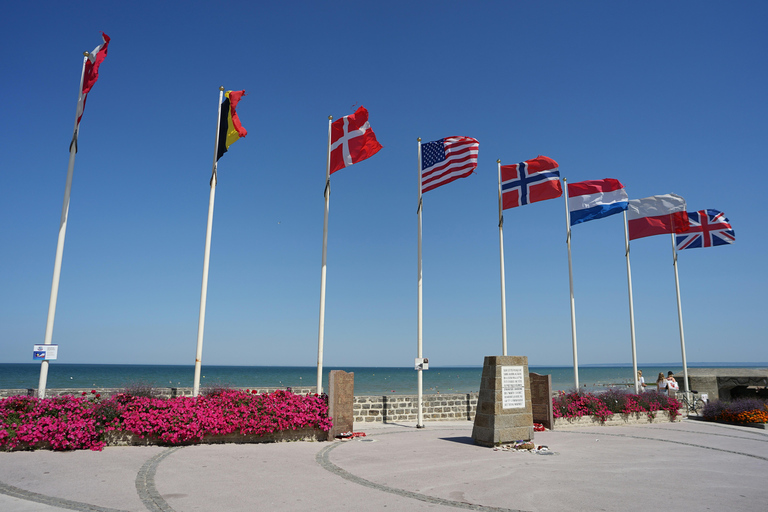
(369, 381)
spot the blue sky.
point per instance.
(666, 97)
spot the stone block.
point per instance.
(494, 424)
(341, 395)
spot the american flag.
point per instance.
(708, 228)
(446, 160)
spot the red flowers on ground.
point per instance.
(70, 423)
(613, 401)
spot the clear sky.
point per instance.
(667, 97)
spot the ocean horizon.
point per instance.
(369, 380)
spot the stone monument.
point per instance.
(341, 397)
(504, 413)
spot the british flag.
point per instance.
(708, 228)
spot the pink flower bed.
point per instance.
(71, 423)
(613, 401)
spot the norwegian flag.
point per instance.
(708, 228)
(352, 140)
(528, 182)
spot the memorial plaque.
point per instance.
(513, 387)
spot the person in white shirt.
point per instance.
(661, 384)
(641, 380)
(672, 385)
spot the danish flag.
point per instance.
(352, 140)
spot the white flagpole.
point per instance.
(420, 422)
(207, 257)
(570, 282)
(680, 315)
(503, 284)
(631, 304)
(321, 329)
(60, 244)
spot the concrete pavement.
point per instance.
(689, 465)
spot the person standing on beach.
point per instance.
(661, 383)
(641, 380)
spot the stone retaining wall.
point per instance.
(119, 438)
(394, 408)
(614, 420)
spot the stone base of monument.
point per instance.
(504, 413)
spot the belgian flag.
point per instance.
(230, 128)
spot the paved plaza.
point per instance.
(689, 465)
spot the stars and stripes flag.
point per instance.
(707, 229)
(595, 199)
(534, 180)
(352, 140)
(91, 73)
(446, 160)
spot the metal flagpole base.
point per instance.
(419, 426)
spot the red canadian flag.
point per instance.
(352, 140)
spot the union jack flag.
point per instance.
(708, 228)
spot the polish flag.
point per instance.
(656, 215)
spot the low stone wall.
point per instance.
(307, 434)
(394, 408)
(614, 420)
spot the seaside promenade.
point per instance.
(689, 465)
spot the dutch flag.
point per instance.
(595, 199)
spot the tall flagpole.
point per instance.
(631, 304)
(570, 282)
(420, 422)
(60, 244)
(207, 257)
(680, 315)
(321, 328)
(501, 256)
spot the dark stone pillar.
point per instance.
(504, 404)
(341, 397)
(541, 399)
